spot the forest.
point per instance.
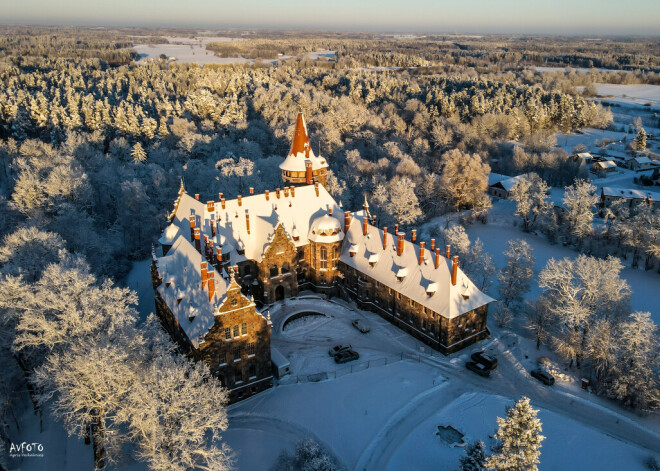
(93, 147)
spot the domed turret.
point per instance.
(326, 228)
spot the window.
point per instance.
(252, 372)
(237, 353)
(335, 254)
(324, 257)
(236, 331)
(285, 267)
(301, 254)
(244, 328)
(228, 333)
(273, 271)
(251, 348)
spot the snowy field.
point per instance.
(630, 94)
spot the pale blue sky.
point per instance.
(581, 17)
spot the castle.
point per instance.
(218, 259)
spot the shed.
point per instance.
(281, 366)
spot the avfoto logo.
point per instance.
(26, 450)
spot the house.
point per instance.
(603, 167)
(501, 185)
(634, 197)
(220, 259)
(640, 163)
(584, 158)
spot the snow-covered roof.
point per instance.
(326, 229)
(294, 210)
(495, 178)
(629, 193)
(429, 286)
(605, 164)
(508, 182)
(182, 289)
(170, 234)
(643, 160)
(585, 155)
(301, 151)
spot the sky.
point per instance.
(570, 17)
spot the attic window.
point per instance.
(167, 285)
(401, 274)
(353, 250)
(373, 259)
(241, 250)
(191, 318)
(431, 289)
(178, 301)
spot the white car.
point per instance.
(361, 325)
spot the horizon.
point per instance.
(604, 18)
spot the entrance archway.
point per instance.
(279, 293)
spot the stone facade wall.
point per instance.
(278, 268)
(440, 333)
(322, 277)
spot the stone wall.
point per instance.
(278, 268)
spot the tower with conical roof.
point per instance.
(302, 166)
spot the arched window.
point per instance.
(285, 267)
(273, 271)
(324, 257)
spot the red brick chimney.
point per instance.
(222, 203)
(252, 190)
(247, 221)
(197, 241)
(218, 254)
(210, 206)
(421, 252)
(267, 193)
(191, 219)
(211, 282)
(432, 245)
(212, 228)
(330, 211)
(373, 220)
(293, 191)
(277, 193)
(454, 270)
(205, 275)
(384, 238)
(316, 187)
(220, 196)
(240, 200)
(414, 235)
(211, 251)
(206, 246)
(396, 229)
(448, 251)
(286, 191)
(437, 258)
(399, 245)
(364, 225)
(197, 196)
(308, 172)
(347, 220)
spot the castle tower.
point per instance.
(302, 166)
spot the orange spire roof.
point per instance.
(300, 138)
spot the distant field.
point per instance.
(631, 94)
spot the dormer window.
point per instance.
(353, 250)
(401, 274)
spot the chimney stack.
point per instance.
(277, 193)
(218, 254)
(205, 274)
(347, 220)
(222, 203)
(212, 228)
(206, 246)
(286, 191)
(316, 187)
(330, 211)
(308, 172)
(448, 251)
(197, 196)
(247, 221)
(197, 241)
(421, 252)
(384, 238)
(373, 220)
(211, 251)
(210, 206)
(267, 193)
(191, 219)
(414, 235)
(252, 190)
(437, 258)
(240, 200)
(396, 229)
(399, 245)
(432, 245)
(293, 191)
(454, 270)
(220, 196)
(211, 283)
(364, 225)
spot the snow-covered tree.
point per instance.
(403, 204)
(138, 153)
(579, 292)
(530, 195)
(464, 180)
(308, 456)
(639, 143)
(176, 416)
(579, 200)
(475, 457)
(28, 250)
(519, 436)
(515, 278)
(539, 320)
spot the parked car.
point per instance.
(543, 376)
(478, 368)
(338, 349)
(489, 361)
(361, 325)
(346, 356)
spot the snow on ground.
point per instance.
(139, 280)
(630, 94)
(568, 444)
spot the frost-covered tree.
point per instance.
(464, 180)
(28, 250)
(579, 200)
(475, 457)
(403, 204)
(639, 143)
(176, 415)
(539, 320)
(530, 195)
(308, 456)
(138, 153)
(519, 436)
(579, 292)
(515, 278)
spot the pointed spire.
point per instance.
(182, 188)
(300, 143)
(365, 206)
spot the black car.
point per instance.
(543, 376)
(489, 361)
(346, 356)
(478, 368)
(337, 349)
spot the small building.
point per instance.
(603, 167)
(640, 163)
(501, 187)
(634, 197)
(584, 158)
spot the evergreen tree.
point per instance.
(520, 439)
(640, 140)
(475, 457)
(138, 153)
